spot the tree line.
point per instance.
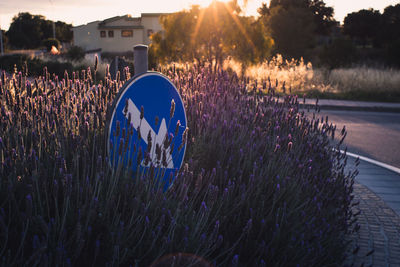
(29, 31)
(292, 28)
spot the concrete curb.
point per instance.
(352, 108)
(375, 162)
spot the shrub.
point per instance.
(34, 66)
(75, 53)
(392, 53)
(340, 53)
(50, 42)
(261, 186)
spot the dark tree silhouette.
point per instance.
(391, 24)
(295, 24)
(363, 26)
(28, 31)
(322, 15)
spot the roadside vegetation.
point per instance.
(261, 183)
(358, 60)
(301, 78)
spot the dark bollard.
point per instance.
(140, 60)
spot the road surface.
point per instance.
(371, 134)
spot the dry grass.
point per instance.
(301, 77)
(364, 78)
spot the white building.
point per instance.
(117, 34)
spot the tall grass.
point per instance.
(298, 76)
(364, 78)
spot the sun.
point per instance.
(206, 3)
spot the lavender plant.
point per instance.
(261, 184)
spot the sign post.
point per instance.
(140, 58)
(1, 42)
(147, 126)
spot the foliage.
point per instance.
(63, 31)
(211, 34)
(28, 31)
(33, 66)
(75, 53)
(5, 39)
(25, 31)
(292, 29)
(261, 186)
(363, 26)
(340, 53)
(393, 53)
(295, 25)
(321, 14)
(391, 24)
(50, 42)
(370, 27)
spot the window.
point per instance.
(111, 34)
(149, 32)
(126, 33)
(102, 34)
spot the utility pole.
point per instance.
(1, 42)
(54, 30)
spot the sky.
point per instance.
(80, 12)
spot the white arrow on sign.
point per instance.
(144, 131)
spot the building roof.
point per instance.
(102, 24)
(105, 27)
(82, 25)
(153, 14)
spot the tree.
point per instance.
(340, 53)
(363, 26)
(391, 34)
(295, 24)
(391, 24)
(211, 34)
(63, 32)
(50, 42)
(28, 31)
(322, 15)
(5, 39)
(292, 29)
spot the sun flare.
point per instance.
(206, 3)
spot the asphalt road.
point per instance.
(371, 134)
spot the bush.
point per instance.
(75, 53)
(392, 53)
(50, 42)
(261, 185)
(33, 66)
(340, 53)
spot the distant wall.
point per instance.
(119, 43)
(89, 36)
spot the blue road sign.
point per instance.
(147, 126)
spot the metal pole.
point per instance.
(140, 60)
(1, 42)
(54, 30)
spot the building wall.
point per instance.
(89, 36)
(150, 23)
(119, 43)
